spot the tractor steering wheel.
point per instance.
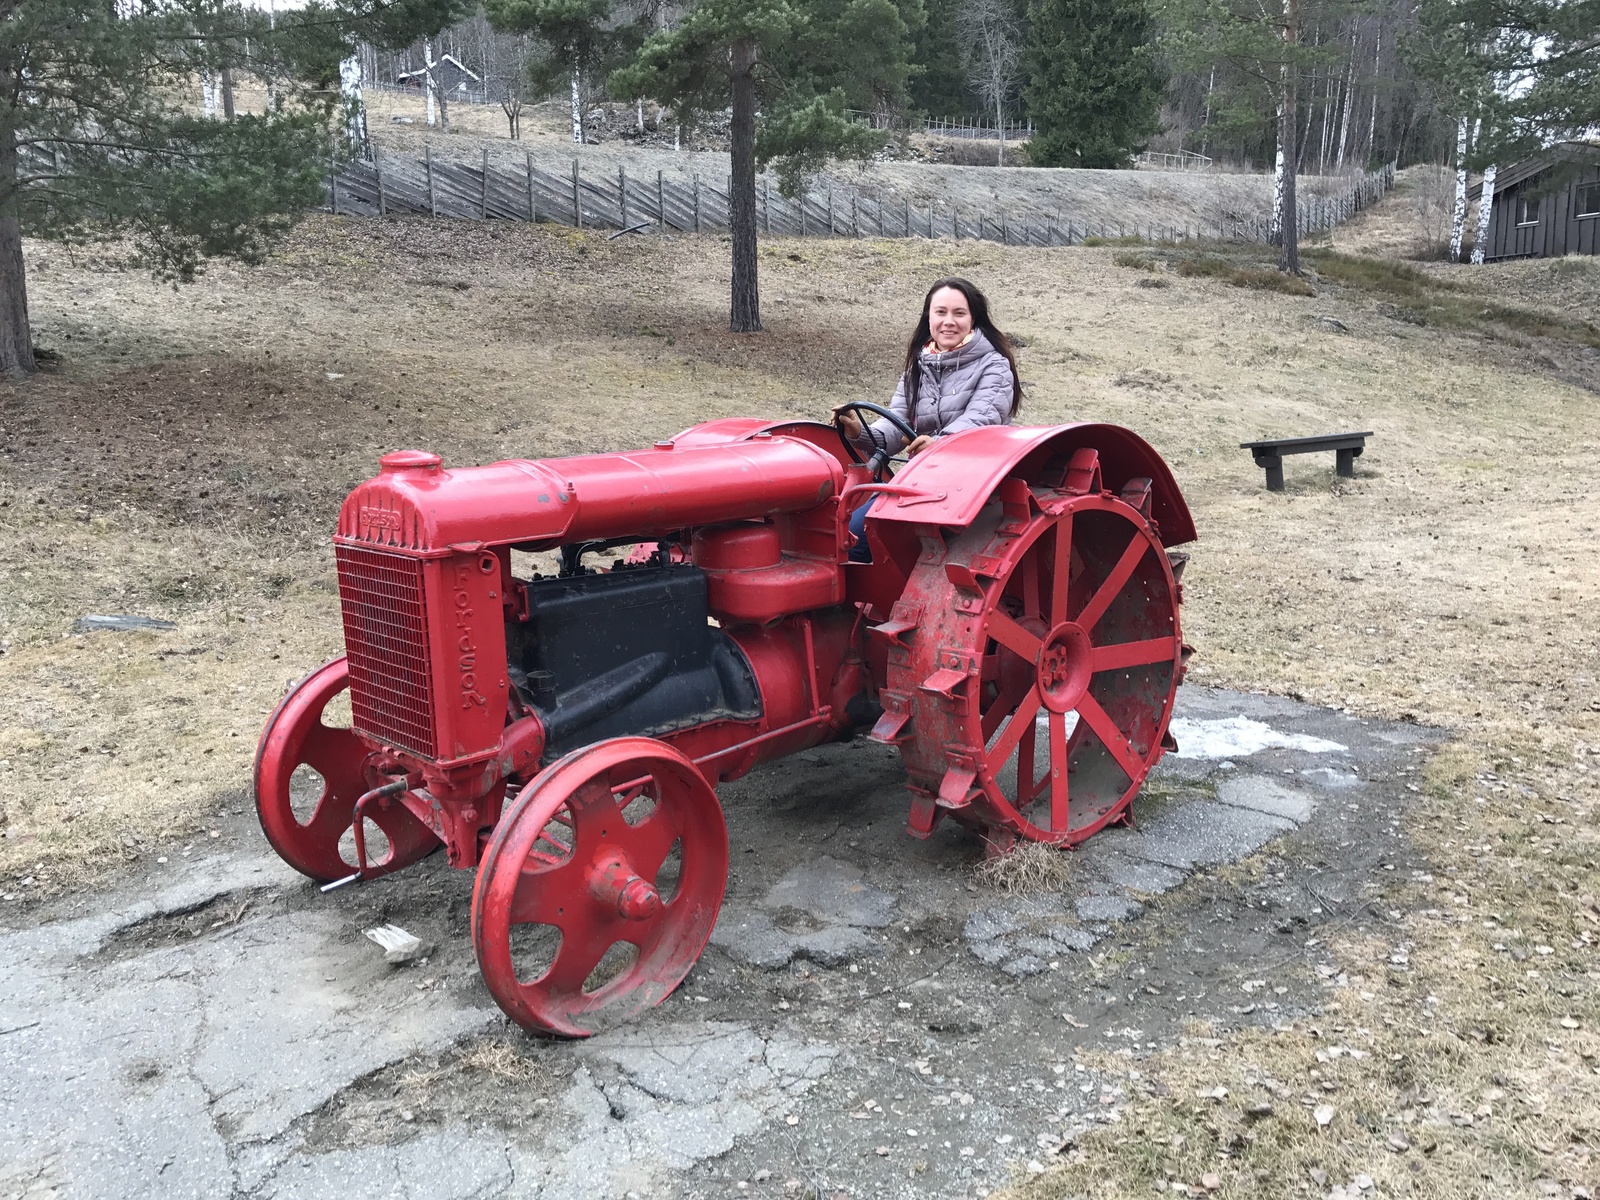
(879, 458)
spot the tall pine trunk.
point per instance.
(16, 336)
(746, 308)
(1289, 259)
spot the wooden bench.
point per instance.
(1269, 453)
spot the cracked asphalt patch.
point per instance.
(866, 1020)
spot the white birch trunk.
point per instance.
(427, 77)
(208, 92)
(1372, 121)
(1458, 221)
(1275, 225)
(638, 113)
(1349, 95)
(1485, 207)
(1000, 125)
(355, 111)
(577, 111)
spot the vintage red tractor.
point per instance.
(1015, 635)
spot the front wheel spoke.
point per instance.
(1013, 637)
(1091, 612)
(335, 754)
(1063, 571)
(548, 897)
(1021, 722)
(593, 806)
(330, 818)
(1110, 736)
(580, 953)
(647, 843)
(1133, 654)
(1060, 820)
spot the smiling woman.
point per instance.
(960, 373)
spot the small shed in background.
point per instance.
(449, 75)
(1547, 205)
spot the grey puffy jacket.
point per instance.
(960, 389)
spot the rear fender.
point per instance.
(956, 476)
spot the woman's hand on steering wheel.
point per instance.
(844, 416)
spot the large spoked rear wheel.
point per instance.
(1043, 675)
(601, 885)
(310, 773)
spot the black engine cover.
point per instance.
(628, 651)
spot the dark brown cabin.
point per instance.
(1547, 205)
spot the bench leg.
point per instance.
(1274, 468)
(1347, 462)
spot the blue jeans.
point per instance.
(860, 552)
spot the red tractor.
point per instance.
(1015, 635)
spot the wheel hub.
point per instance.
(634, 898)
(1064, 669)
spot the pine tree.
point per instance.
(938, 81)
(1094, 87)
(790, 71)
(95, 143)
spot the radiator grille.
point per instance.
(386, 642)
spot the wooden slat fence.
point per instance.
(486, 191)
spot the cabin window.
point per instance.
(1527, 209)
(1589, 199)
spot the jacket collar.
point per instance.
(974, 348)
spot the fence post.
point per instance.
(661, 200)
(908, 216)
(931, 233)
(622, 195)
(697, 203)
(533, 212)
(855, 225)
(802, 212)
(577, 207)
(377, 169)
(955, 223)
(830, 212)
(1005, 228)
(483, 192)
(427, 164)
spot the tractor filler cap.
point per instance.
(410, 460)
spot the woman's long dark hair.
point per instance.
(978, 304)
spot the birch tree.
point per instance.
(1261, 45)
(579, 33)
(991, 47)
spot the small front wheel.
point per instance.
(599, 889)
(309, 775)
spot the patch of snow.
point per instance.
(1240, 737)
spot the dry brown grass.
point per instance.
(1028, 869)
(187, 458)
(506, 1061)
